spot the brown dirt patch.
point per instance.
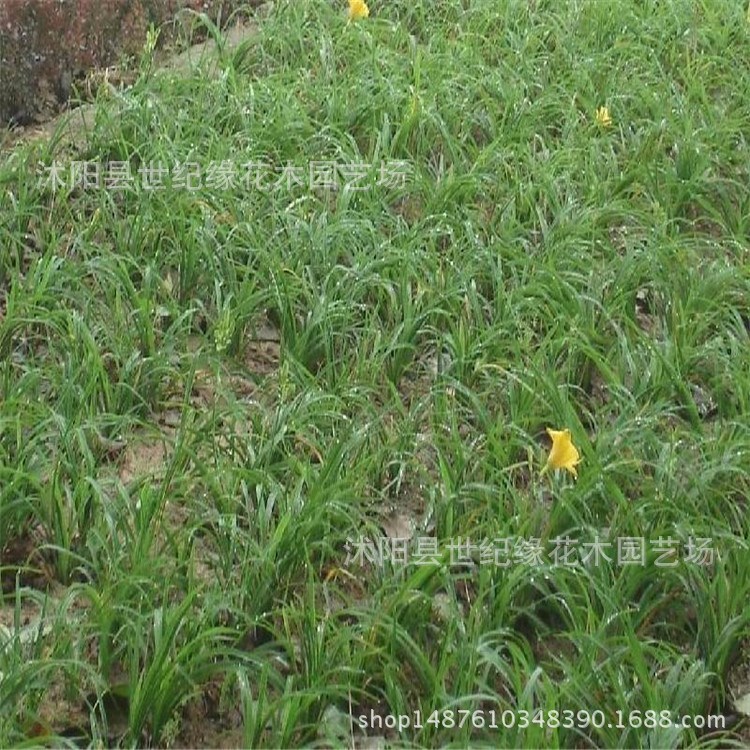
(143, 459)
(22, 562)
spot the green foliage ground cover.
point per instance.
(210, 396)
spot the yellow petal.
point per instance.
(603, 117)
(358, 9)
(563, 455)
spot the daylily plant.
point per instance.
(603, 117)
(358, 9)
(563, 455)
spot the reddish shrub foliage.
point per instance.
(45, 44)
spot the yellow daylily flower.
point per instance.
(358, 9)
(603, 118)
(563, 455)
